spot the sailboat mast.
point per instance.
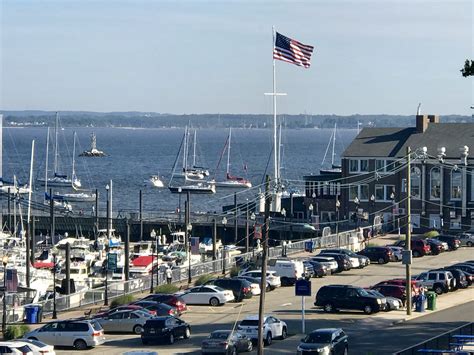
(1, 148)
(194, 149)
(228, 152)
(333, 144)
(185, 150)
(46, 164)
(56, 144)
(73, 158)
(31, 181)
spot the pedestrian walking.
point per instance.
(169, 275)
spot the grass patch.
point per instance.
(203, 279)
(168, 289)
(16, 331)
(121, 300)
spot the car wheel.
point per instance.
(187, 333)
(250, 347)
(438, 290)
(171, 339)
(368, 309)
(214, 302)
(416, 253)
(469, 244)
(328, 308)
(138, 329)
(80, 344)
(284, 333)
(381, 261)
(268, 339)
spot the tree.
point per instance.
(468, 69)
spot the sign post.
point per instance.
(303, 289)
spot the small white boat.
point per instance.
(155, 181)
(199, 188)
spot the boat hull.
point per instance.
(205, 189)
(232, 184)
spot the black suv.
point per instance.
(382, 255)
(334, 297)
(453, 242)
(240, 288)
(165, 329)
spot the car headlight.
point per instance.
(379, 301)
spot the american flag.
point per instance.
(291, 51)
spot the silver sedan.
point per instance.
(125, 321)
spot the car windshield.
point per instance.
(219, 288)
(318, 338)
(363, 292)
(96, 325)
(249, 323)
(220, 335)
(376, 293)
(156, 323)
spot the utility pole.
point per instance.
(263, 279)
(127, 252)
(140, 215)
(408, 235)
(247, 233)
(214, 239)
(9, 212)
(96, 214)
(236, 230)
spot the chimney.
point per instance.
(422, 122)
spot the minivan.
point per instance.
(334, 297)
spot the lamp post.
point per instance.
(4, 313)
(55, 315)
(357, 203)
(392, 197)
(252, 218)
(189, 228)
(338, 206)
(283, 243)
(224, 222)
(310, 209)
(107, 188)
(372, 212)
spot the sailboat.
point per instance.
(335, 168)
(194, 172)
(8, 187)
(194, 187)
(80, 195)
(230, 181)
(57, 179)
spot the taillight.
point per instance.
(224, 343)
(246, 289)
(178, 303)
(97, 334)
(170, 312)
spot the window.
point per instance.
(415, 182)
(383, 192)
(456, 185)
(364, 165)
(353, 192)
(432, 277)
(384, 166)
(441, 276)
(357, 166)
(435, 183)
(364, 192)
(353, 166)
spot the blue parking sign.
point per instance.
(302, 287)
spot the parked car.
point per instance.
(334, 297)
(326, 341)
(419, 247)
(128, 307)
(272, 277)
(320, 269)
(254, 284)
(272, 328)
(415, 285)
(436, 246)
(382, 255)
(165, 329)
(397, 252)
(156, 308)
(344, 262)
(460, 278)
(396, 291)
(308, 270)
(169, 299)
(15, 347)
(38, 347)
(288, 270)
(212, 295)
(79, 334)
(363, 260)
(391, 303)
(438, 281)
(125, 322)
(227, 342)
(453, 242)
(240, 288)
(327, 261)
(466, 269)
(466, 239)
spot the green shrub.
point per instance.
(203, 279)
(431, 234)
(121, 300)
(371, 245)
(16, 331)
(234, 271)
(166, 288)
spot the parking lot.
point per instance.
(284, 305)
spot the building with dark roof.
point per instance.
(374, 175)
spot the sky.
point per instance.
(183, 57)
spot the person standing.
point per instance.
(169, 275)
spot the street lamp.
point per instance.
(224, 222)
(107, 188)
(55, 315)
(4, 315)
(372, 211)
(283, 243)
(189, 228)
(310, 209)
(357, 202)
(338, 206)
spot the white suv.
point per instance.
(438, 281)
(272, 328)
(272, 277)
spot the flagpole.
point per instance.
(275, 146)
